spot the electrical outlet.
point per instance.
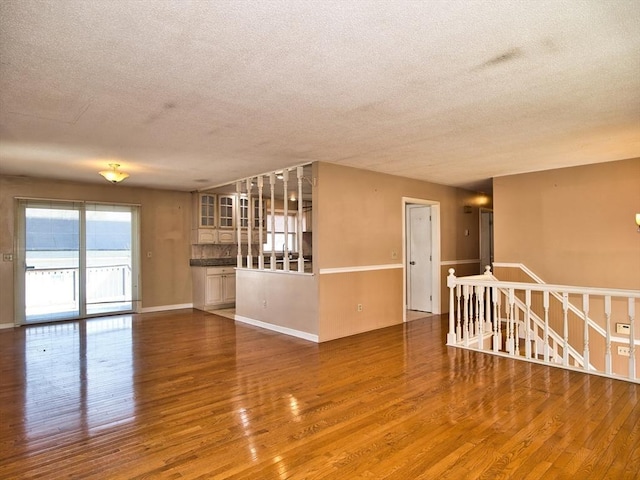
(264, 304)
(624, 351)
(623, 328)
(359, 308)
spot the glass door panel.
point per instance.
(51, 263)
(108, 259)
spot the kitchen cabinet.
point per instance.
(215, 219)
(213, 287)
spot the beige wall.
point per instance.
(165, 227)
(572, 226)
(286, 300)
(358, 218)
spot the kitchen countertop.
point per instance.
(213, 262)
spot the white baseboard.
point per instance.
(164, 308)
(277, 328)
(6, 325)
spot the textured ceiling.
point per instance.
(190, 94)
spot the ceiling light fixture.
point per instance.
(114, 175)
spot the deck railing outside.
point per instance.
(57, 289)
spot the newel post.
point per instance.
(451, 283)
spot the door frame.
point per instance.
(435, 253)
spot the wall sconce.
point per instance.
(114, 175)
(638, 221)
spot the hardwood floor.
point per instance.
(193, 395)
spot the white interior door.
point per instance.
(419, 258)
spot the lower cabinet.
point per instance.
(214, 287)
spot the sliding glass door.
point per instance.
(75, 260)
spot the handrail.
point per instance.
(479, 318)
(575, 310)
(546, 287)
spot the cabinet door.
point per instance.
(229, 288)
(207, 210)
(226, 236)
(226, 211)
(213, 290)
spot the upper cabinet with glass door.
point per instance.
(226, 218)
(205, 208)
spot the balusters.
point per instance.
(285, 249)
(249, 222)
(516, 336)
(272, 208)
(476, 310)
(527, 326)
(510, 322)
(260, 223)
(607, 355)
(466, 314)
(459, 329)
(585, 316)
(480, 313)
(299, 233)
(487, 310)
(545, 304)
(497, 332)
(238, 222)
(565, 328)
(632, 343)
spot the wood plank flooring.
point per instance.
(191, 395)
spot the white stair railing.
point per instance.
(477, 321)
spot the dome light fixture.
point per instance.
(114, 175)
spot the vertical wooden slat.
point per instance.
(458, 311)
(249, 223)
(585, 317)
(497, 334)
(545, 303)
(299, 223)
(632, 342)
(565, 328)
(607, 355)
(238, 228)
(510, 324)
(260, 223)
(527, 324)
(285, 190)
(272, 211)
(466, 314)
(480, 306)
